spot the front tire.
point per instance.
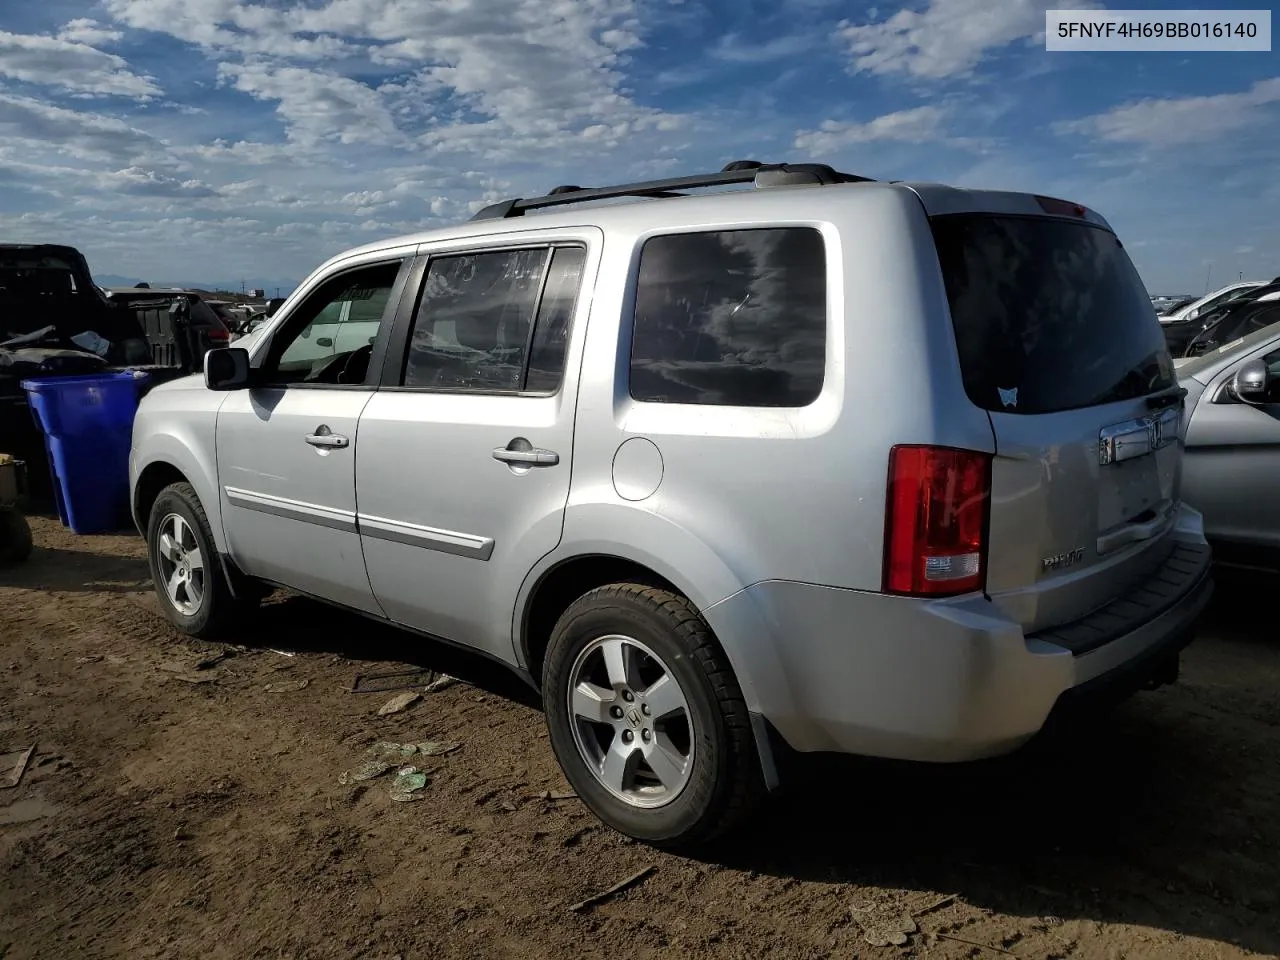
(185, 568)
(646, 718)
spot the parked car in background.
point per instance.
(54, 321)
(651, 456)
(1164, 306)
(1162, 303)
(208, 324)
(1237, 323)
(1179, 335)
(1185, 310)
(1231, 468)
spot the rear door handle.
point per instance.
(324, 341)
(527, 458)
(327, 441)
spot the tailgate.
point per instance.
(1082, 503)
(1058, 343)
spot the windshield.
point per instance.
(1049, 314)
(1192, 366)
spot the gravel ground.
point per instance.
(171, 811)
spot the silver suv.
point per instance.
(826, 464)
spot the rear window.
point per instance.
(1049, 314)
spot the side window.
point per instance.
(312, 348)
(1263, 318)
(495, 321)
(735, 317)
(555, 315)
(1272, 361)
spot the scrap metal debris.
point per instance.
(395, 680)
(20, 768)
(443, 682)
(399, 703)
(437, 748)
(613, 891)
(975, 943)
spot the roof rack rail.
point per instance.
(761, 175)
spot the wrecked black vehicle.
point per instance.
(54, 321)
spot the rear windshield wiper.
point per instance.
(1166, 398)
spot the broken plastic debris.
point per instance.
(291, 687)
(93, 342)
(384, 755)
(883, 931)
(406, 785)
(367, 770)
(399, 703)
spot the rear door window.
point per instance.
(1049, 314)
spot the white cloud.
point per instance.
(491, 77)
(230, 25)
(918, 125)
(70, 65)
(731, 48)
(90, 32)
(948, 38)
(1183, 120)
(85, 135)
(316, 105)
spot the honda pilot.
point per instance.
(770, 459)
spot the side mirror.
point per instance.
(274, 304)
(227, 368)
(1252, 381)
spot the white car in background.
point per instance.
(1206, 303)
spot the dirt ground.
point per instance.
(163, 817)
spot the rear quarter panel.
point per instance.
(753, 494)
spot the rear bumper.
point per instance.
(943, 681)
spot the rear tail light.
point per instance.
(218, 335)
(936, 521)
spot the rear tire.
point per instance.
(647, 719)
(187, 570)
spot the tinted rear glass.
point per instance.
(1049, 314)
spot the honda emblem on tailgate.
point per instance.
(1137, 438)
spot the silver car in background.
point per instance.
(826, 464)
(1231, 469)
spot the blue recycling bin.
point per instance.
(87, 422)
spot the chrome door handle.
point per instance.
(527, 458)
(328, 441)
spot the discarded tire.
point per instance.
(15, 537)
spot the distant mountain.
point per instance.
(285, 286)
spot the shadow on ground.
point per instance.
(1160, 814)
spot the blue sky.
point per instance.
(213, 140)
